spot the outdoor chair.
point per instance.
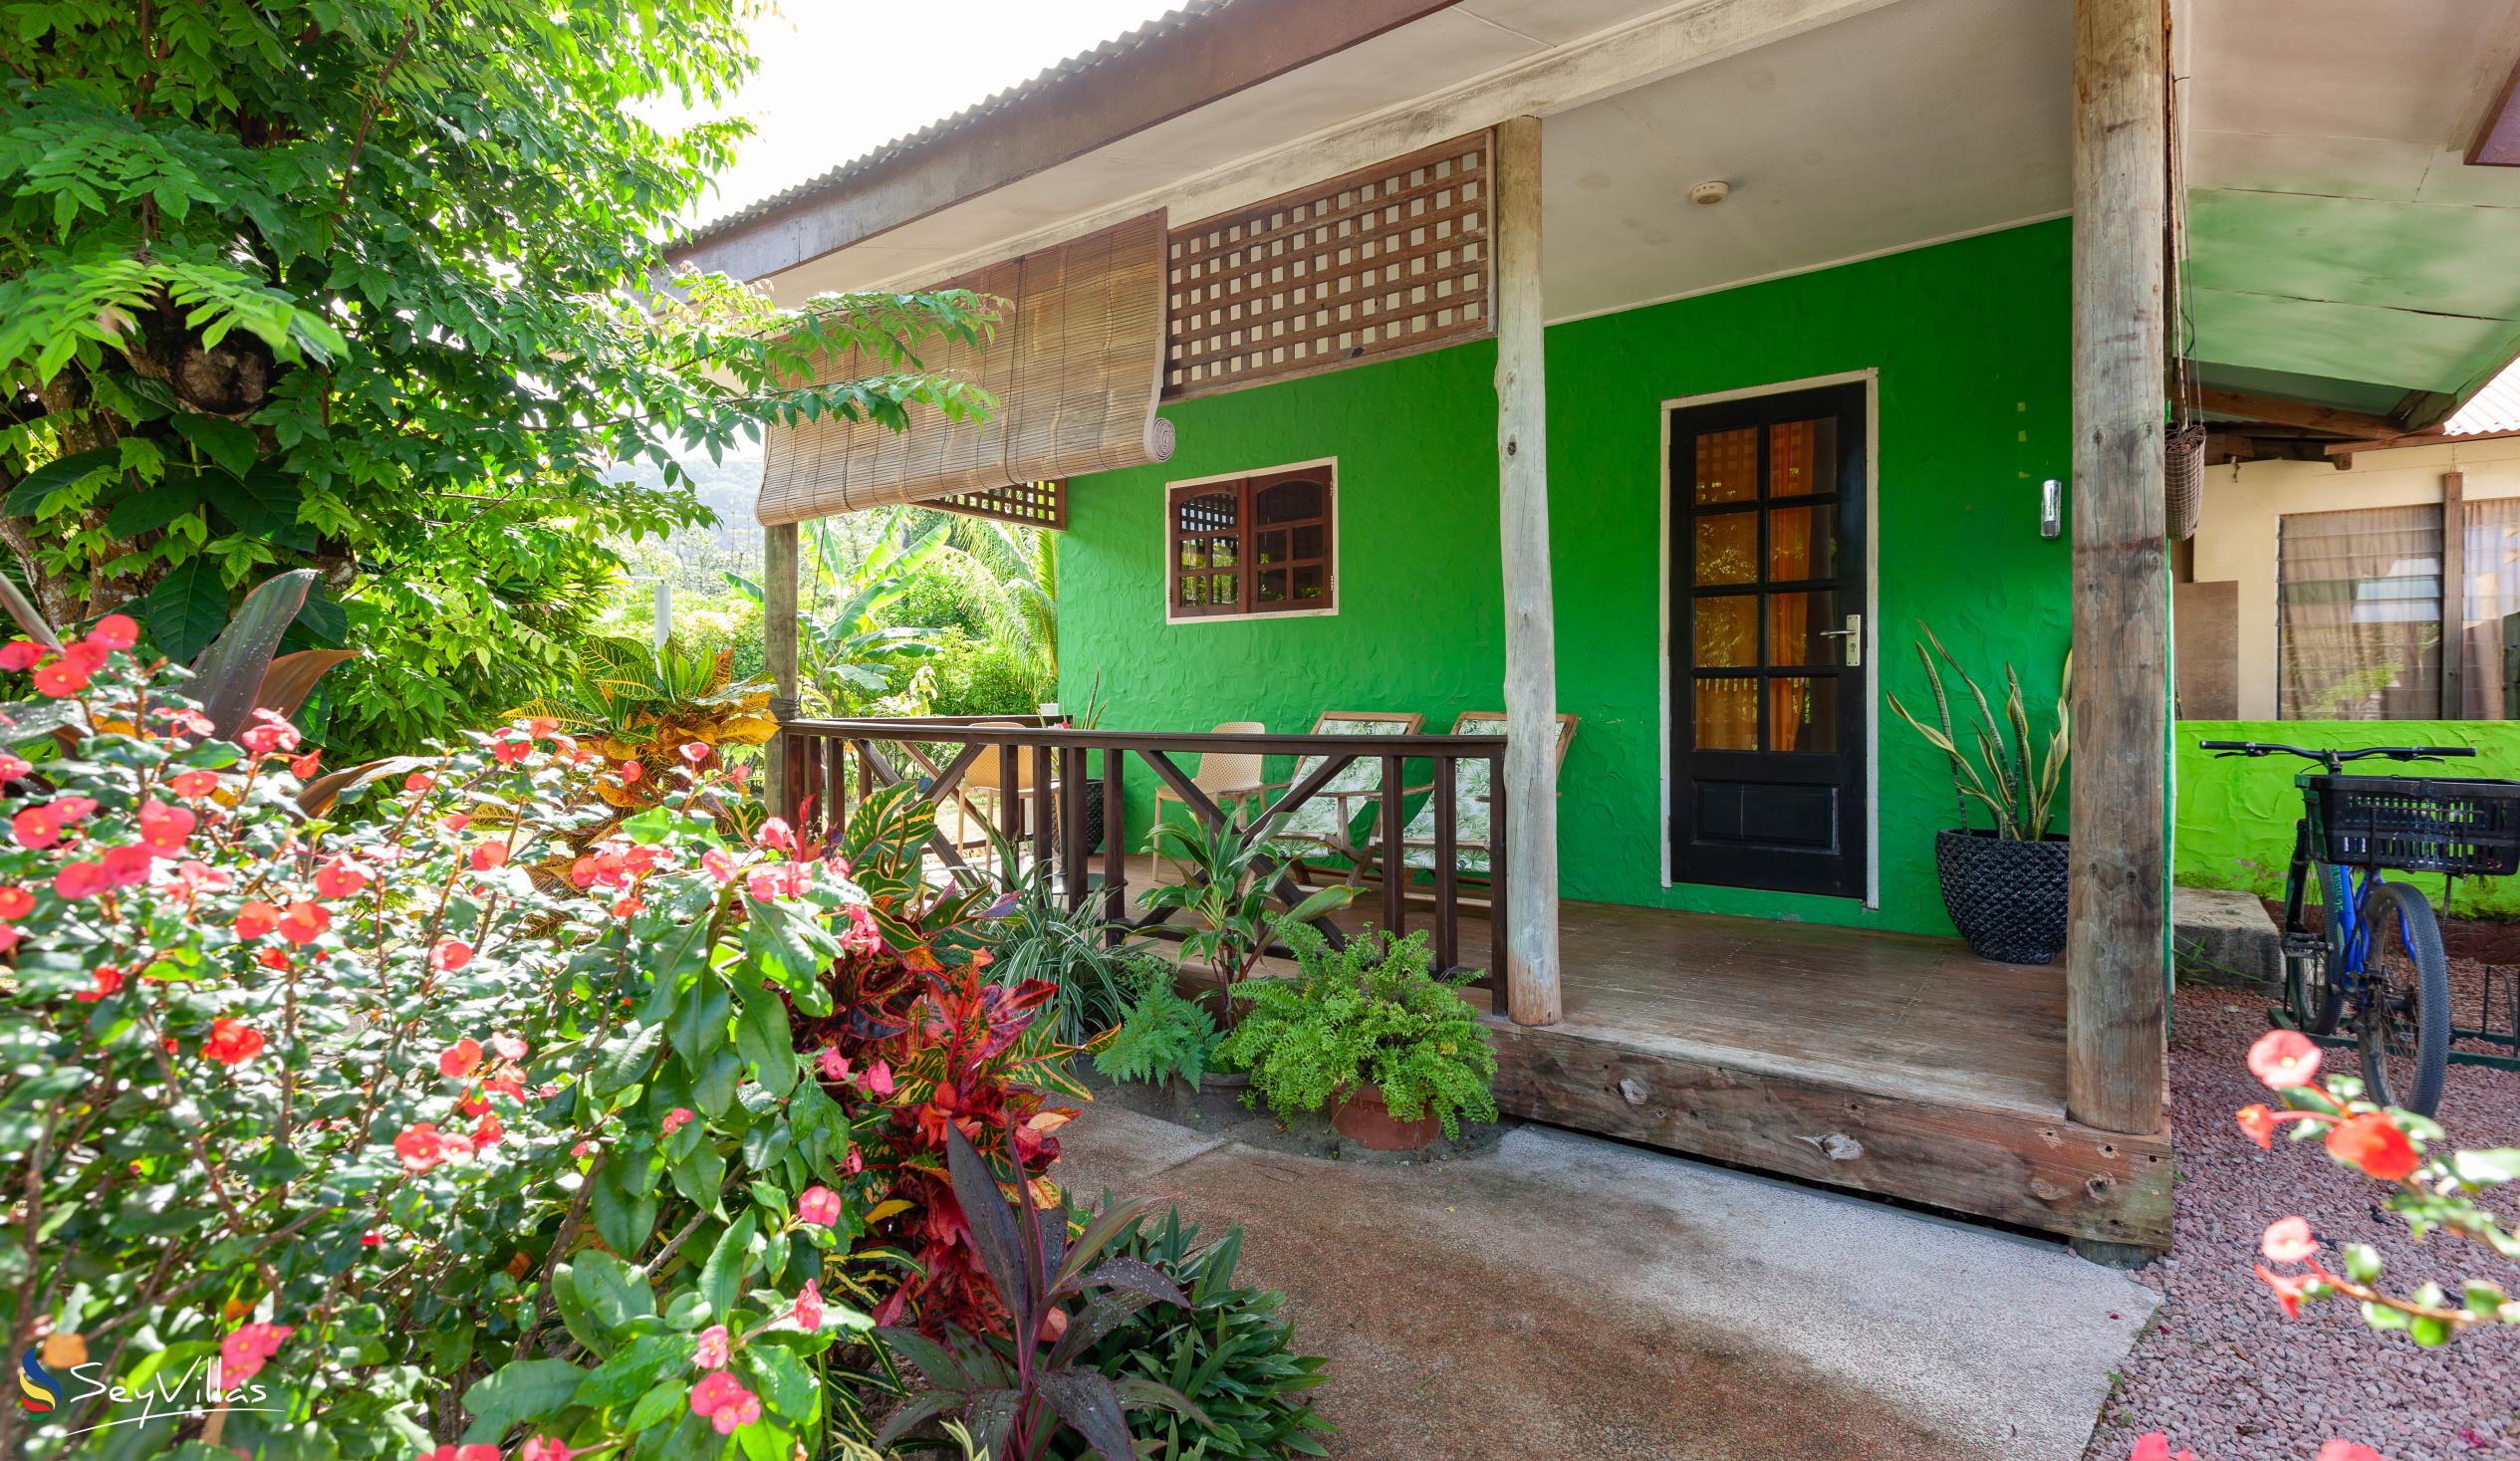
(980, 800)
(1227, 777)
(1325, 826)
(1472, 799)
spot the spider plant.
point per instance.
(2003, 767)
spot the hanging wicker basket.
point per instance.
(2183, 481)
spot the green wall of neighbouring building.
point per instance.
(1970, 340)
(2236, 813)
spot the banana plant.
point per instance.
(843, 654)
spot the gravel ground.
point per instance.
(2222, 1369)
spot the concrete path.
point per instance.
(1563, 1296)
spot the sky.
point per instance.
(839, 77)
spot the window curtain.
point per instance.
(2491, 590)
(2359, 615)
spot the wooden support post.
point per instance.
(1527, 794)
(778, 628)
(2453, 595)
(2117, 935)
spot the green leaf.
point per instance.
(2490, 1167)
(611, 1294)
(763, 1038)
(262, 504)
(624, 1219)
(28, 496)
(221, 441)
(697, 1023)
(521, 1390)
(153, 506)
(630, 1372)
(785, 1384)
(629, 1060)
(187, 609)
(713, 1089)
(660, 1405)
(722, 1276)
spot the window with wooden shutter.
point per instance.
(1255, 545)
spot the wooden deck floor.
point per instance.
(1885, 1062)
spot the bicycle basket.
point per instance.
(2417, 824)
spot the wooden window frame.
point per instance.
(1247, 486)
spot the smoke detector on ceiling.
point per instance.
(1708, 194)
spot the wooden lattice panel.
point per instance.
(1034, 504)
(1385, 261)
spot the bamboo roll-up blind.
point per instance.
(1073, 365)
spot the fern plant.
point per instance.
(1371, 1013)
(1163, 1037)
(2015, 777)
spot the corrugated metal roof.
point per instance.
(2495, 409)
(1082, 61)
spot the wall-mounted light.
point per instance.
(2051, 508)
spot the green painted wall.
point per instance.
(1970, 340)
(2236, 815)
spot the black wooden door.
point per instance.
(1768, 715)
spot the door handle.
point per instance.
(1853, 633)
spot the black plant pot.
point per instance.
(2008, 897)
(1094, 814)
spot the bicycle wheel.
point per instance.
(2401, 1014)
(2314, 984)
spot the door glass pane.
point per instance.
(1797, 625)
(1727, 713)
(1803, 457)
(1728, 547)
(1729, 466)
(1801, 542)
(1728, 630)
(1803, 713)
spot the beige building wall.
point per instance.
(2236, 530)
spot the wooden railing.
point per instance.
(1041, 768)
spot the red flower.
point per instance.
(724, 1402)
(696, 752)
(2288, 1290)
(77, 880)
(125, 866)
(808, 1308)
(509, 1046)
(304, 922)
(676, 1119)
(449, 955)
(489, 855)
(632, 771)
(83, 658)
(2284, 1058)
(20, 654)
(38, 826)
(13, 765)
(16, 903)
(878, 1079)
(424, 1147)
(2289, 1240)
(59, 680)
(818, 1206)
(256, 918)
(2259, 1123)
(2373, 1142)
(270, 734)
(715, 1345)
(461, 1453)
(543, 1448)
(371, 1240)
(163, 828)
(233, 1043)
(303, 767)
(340, 879)
(2156, 1447)
(510, 749)
(273, 959)
(2348, 1451)
(776, 833)
(114, 632)
(108, 978)
(487, 1132)
(243, 1353)
(193, 785)
(456, 820)
(835, 1065)
(460, 1059)
(419, 781)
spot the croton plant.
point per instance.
(417, 1128)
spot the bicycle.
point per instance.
(2376, 964)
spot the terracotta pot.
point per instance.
(1362, 1118)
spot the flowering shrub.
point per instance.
(2430, 1193)
(917, 1028)
(2156, 1447)
(357, 1135)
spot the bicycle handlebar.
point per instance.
(2332, 759)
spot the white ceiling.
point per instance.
(1922, 120)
